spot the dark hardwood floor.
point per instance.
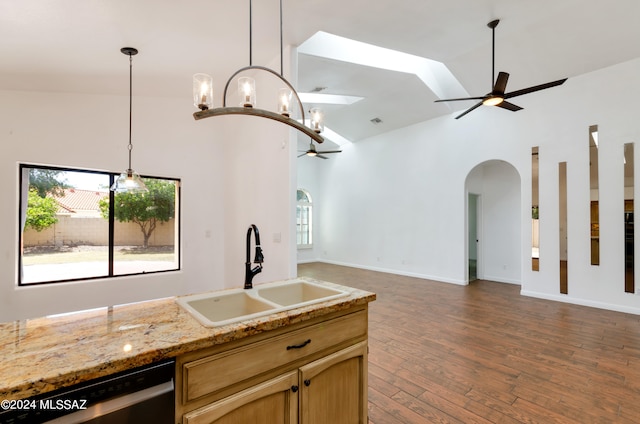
(485, 354)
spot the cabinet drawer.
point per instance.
(210, 374)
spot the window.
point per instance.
(72, 227)
(304, 221)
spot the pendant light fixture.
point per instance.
(129, 180)
(247, 105)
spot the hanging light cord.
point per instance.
(281, 60)
(493, 56)
(250, 34)
(130, 147)
(251, 37)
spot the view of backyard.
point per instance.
(70, 226)
(65, 263)
(66, 254)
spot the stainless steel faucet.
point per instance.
(249, 272)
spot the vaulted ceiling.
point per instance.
(74, 45)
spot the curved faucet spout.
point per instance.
(259, 258)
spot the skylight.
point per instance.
(335, 137)
(434, 74)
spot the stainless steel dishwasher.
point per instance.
(140, 395)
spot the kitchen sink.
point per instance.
(215, 309)
(298, 293)
(223, 307)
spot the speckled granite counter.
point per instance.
(45, 354)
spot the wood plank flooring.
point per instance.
(483, 353)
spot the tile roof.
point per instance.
(80, 200)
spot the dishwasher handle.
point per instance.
(115, 404)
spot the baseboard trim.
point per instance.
(308, 261)
(500, 280)
(582, 302)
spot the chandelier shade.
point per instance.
(202, 91)
(129, 182)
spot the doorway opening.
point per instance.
(494, 223)
(473, 201)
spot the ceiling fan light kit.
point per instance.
(314, 153)
(493, 101)
(203, 93)
(497, 96)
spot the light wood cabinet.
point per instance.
(334, 388)
(311, 373)
(271, 402)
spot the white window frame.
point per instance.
(304, 230)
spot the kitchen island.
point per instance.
(45, 354)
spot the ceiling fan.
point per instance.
(498, 97)
(313, 152)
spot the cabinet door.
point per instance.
(334, 389)
(273, 402)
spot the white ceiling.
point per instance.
(74, 45)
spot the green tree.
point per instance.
(41, 211)
(146, 209)
(47, 181)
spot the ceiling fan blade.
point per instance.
(509, 106)
(534, 88)
(321, 157)
(330, 151)
(501, 83)
(304, 154)
(462, 98)
(477, 105)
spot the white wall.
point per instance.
(259, 181)
(257, 191)
(397, 201)
(230, 179)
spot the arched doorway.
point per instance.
(493, 222)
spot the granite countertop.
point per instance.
(44, 354)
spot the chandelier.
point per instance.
(203, 95)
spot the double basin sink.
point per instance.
(229, 306)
